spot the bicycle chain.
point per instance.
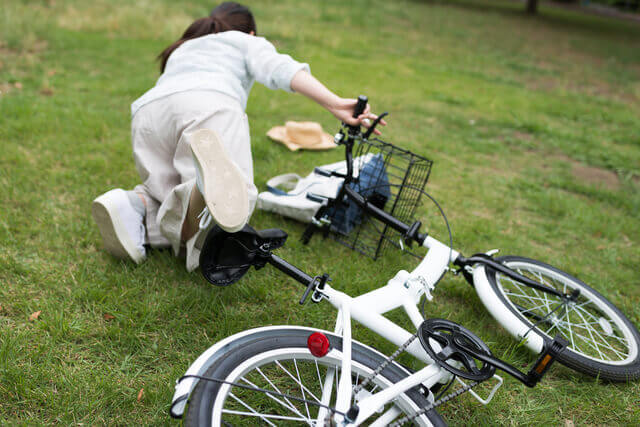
(427, 408)
(435, 404)
(384, 364)
(356, 389)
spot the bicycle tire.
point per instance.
(284, 345)
(608, 333)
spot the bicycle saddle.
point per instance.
(225, 257)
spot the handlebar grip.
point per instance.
(360, 106)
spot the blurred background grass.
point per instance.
(532, 123)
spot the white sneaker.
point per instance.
(121, 226)
(220, 181)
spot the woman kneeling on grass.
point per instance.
(191, 140)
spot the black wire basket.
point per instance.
(392, 179)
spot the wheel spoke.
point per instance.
(250, 409)
(263, 416)
(599, 335)
(595, 319)
(295, 363)
(529, 298)
(546, 301)
(592, 338)
(566, 330)
(544, 282)
(286, 371)
(619, 354)
(290, 405)
(573, 343)
(582, 304)
(319, 377)
(587, 313)
(590, 343)
(532, 309)
(586, 326)
(535, 291)
(606, 345)
(551, 284)
(555, 324)
(524, 295)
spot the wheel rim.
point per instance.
(292, 371)
(593, 329)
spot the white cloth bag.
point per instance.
(287, 193)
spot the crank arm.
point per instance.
(540, 367)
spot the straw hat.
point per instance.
(305, 135)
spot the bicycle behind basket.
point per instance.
(392, 179)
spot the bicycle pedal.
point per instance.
(546, 359)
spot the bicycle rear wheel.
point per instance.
(279, 360)
(602, 341)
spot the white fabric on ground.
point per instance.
(295, 203)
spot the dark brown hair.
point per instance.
(225, 17)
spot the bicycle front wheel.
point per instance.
(279, 360)
(602, 341)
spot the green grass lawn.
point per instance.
(533, 124)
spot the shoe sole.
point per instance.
(114, 235)
(224, 186)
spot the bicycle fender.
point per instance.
(185, 386)
(503, 316)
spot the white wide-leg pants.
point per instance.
(160, 133)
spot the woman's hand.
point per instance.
(343, 110)
(307, 85)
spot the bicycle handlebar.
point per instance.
(360, 106)
(358, 109)
(409, 231)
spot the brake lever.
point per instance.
(368, 133)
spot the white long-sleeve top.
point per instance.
(227, 62)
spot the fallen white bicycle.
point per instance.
(281, 375)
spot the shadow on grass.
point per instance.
(555, 19)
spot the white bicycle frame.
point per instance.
(404, 290)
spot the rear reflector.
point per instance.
(318, 344)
